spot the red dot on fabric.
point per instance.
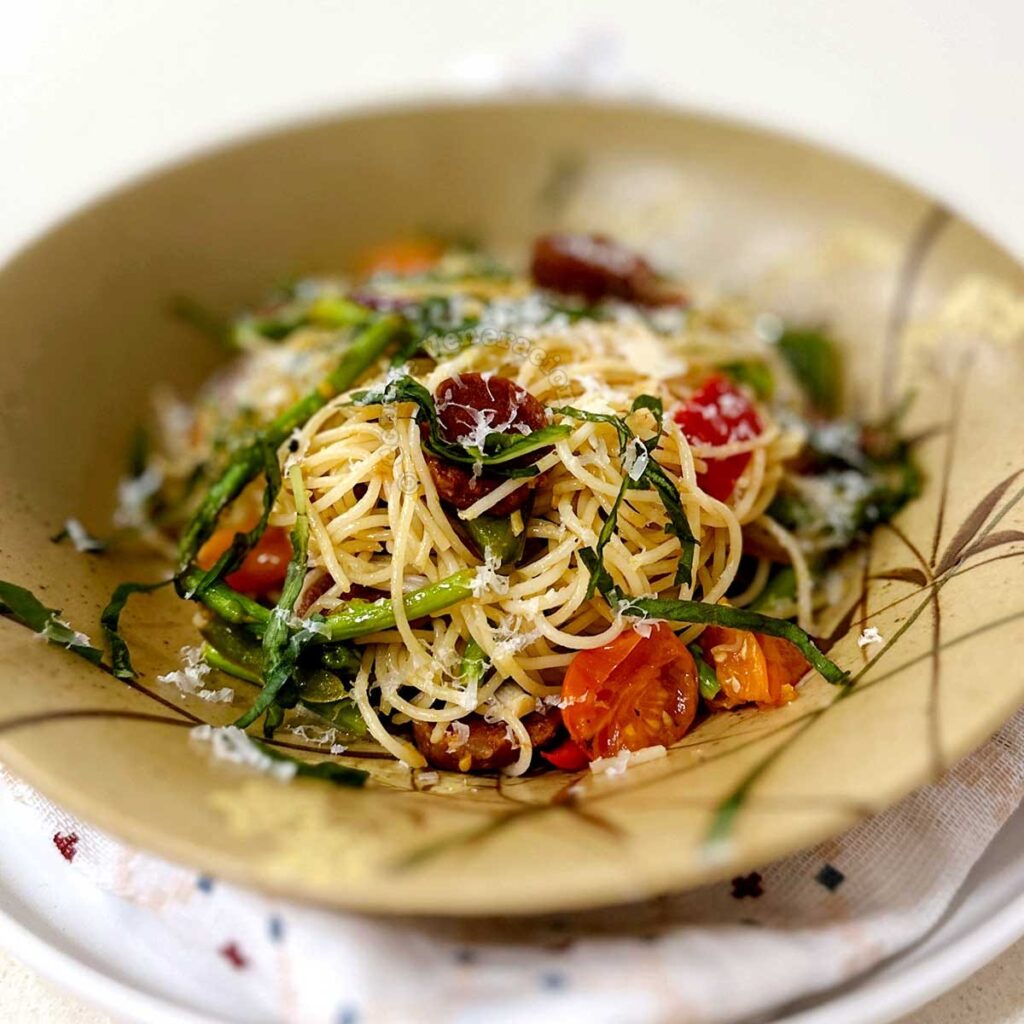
(234, 956)
(67, 844)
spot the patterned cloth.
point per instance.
(722, 953)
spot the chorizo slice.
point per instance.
(469, 407)
(597, 267)
(486, 746)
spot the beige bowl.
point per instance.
(921, 298)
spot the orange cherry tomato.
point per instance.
(739, 663)
(786, 665)
(568, 756)
(633, 693)
(751, 667)
(403, 257)
(264, 567)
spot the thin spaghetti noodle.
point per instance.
(382, 520)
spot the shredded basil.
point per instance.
(652, 477)
(110, 617)
(23, 606)
(702, 613)
(331, 771)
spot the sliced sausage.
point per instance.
(597, 267)
(469, 407)
(488, 746)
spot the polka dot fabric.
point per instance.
(808, 923)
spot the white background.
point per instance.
(94, 92)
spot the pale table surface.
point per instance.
(995, 995)
(928, 88)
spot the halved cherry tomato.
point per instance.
(264, 567)
(786, 665)
(633, 693)
(568, 756)
(751, 667)
(739, 663)
(403, 256)
(716, 413)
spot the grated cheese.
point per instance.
(231, 744)
(80, 538)
(635, 459)
(870, 636)
(624, 759)
(189, 678)
(133, 494)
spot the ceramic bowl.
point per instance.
(922, 302)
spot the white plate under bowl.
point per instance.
(58, 924)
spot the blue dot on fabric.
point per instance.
(204, 883)
(276, 928)
(553, 981)
(830, 877)
(348, 1015)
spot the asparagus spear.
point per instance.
(350, 620)
(473, 665)
(707, 678)
(357, 618)
(340, 712)
(281, 646)
(365, 349)
(495, 540)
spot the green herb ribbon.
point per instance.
(498, 449)
(651, 477)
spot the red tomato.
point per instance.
(716, 413)
(753, 668)
(402, 256)
(568, 756)
(632, 693)
(264, 567)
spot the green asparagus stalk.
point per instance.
(707, 678)
(216, 659)
(281, 647)
(357, 618)
(348, 621)
(473, 665)
(365, 349)
(495, 540)
(242, 661)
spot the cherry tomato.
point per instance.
(568, 756)
(786, 665)
(264, 567)
(751, 667)
(633, 693)
(716, 413)
(739, 663)
(404, 257)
